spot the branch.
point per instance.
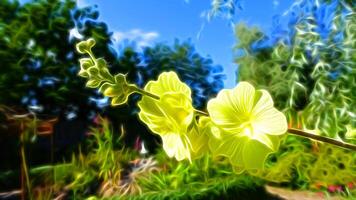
(322, 139)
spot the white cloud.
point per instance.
(82, 3)
(141, 38)
(275, 3)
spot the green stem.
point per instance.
(322, 139)
(92, 56)
(24, 164)
(201, 112)
(143, 92)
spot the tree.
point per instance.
(38, 58)
(309, 67)
(204, 77)
(39, 63)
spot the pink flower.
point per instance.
(137, 145)
(96, 120)
(332, 188)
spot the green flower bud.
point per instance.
(101, 63)
(119, 100)
(120, 91)
(93, 71)
(83, 73)
(85, 46)
(120, 78)
(85, 63)
(93, 83)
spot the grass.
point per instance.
(109, 170)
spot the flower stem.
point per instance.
(143, 92)
(92, 57)
(322, 139)
(201, 112)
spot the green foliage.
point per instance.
(111, 171)
(225, 9)
(103, 150)
(79, 178)
(306, 164)
(312, 71)
(200, 179)
(259, 67)
(38, 56)
(311, 74)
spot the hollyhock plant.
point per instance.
(242, 123)
(250, 127)
(171, 115)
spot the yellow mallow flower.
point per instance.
(249, 126)
(172, 116)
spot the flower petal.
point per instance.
(222, 112)
(175, 147)
(229, 145)
(255, 154)
(152, 115)
(173, 112)
(167, 82)
(198, 137)
(267, 119)
(244, 94)
(263, 101)
(232, 107)
(271, 122)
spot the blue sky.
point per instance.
(151, 21)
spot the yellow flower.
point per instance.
(172, 116)
(250, 127)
